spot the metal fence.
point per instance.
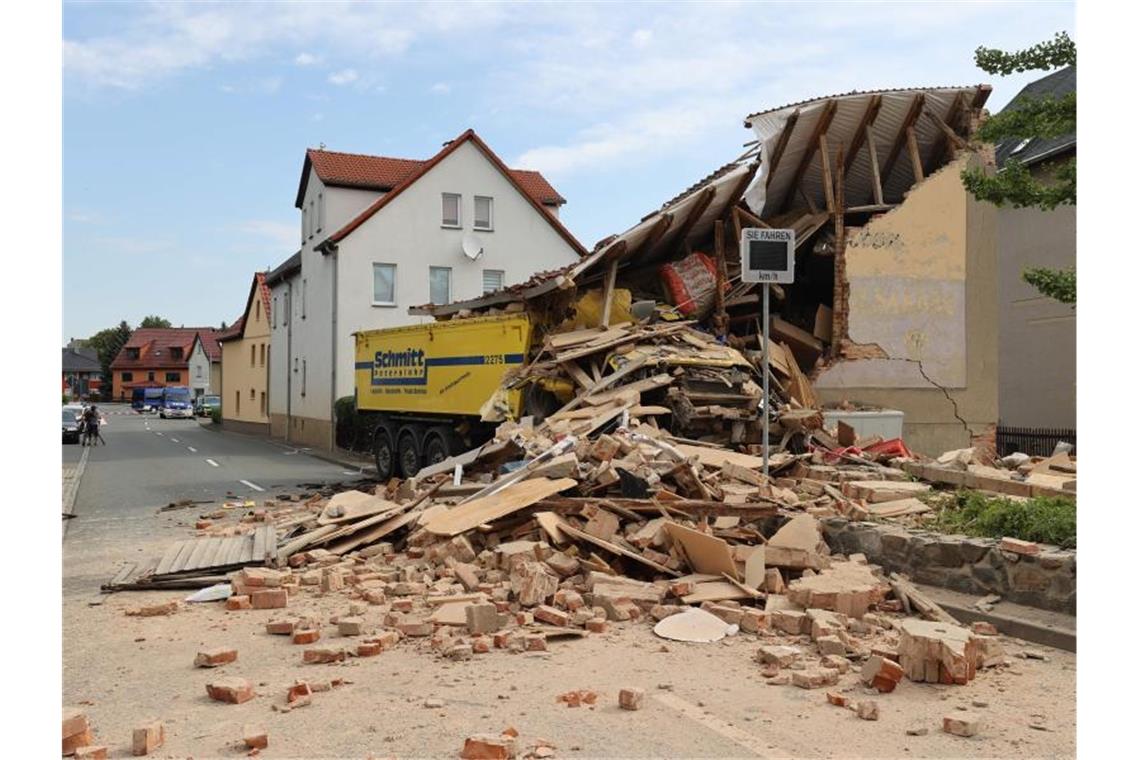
(1037, 442)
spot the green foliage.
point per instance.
(154, 321)
(352, 429)
(1048, 520)
(1058, 284)
(1044, 117)
(216, 415)
(1058, 52)
(107, 343)
(1015, 186)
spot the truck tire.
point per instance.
(439, 444)
(383, 451)
(408, 452)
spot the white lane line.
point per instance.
(175, 440)
(157, 433)
(254, 486)
(212, 462)
(192, 449)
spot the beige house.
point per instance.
(245, 364)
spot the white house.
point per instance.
(205, 365)
(379, 235)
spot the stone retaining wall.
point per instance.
(962, 563)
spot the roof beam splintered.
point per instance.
(901, 138)
(782, 144)
(821, 126)
(869, 116)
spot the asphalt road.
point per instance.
(148, 463)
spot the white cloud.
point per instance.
(307, 59)
(343, 77)
(85, 217)
(641, 38)
(280, 234)
(441, 88)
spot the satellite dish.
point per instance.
(472, 247)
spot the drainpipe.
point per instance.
(288, 361)
(332, 250)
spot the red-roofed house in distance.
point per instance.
(245, 364)
(154, 357)
(379, 235)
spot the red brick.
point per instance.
(597, 625)
(306, 636)
(837, 699)
(488, 747)
(960, 724)
(502, 639)
(300, 693)
(255, 737)
(323, 655)
(983, 628)
(881, 673)
(281, 627)
(75, 741)
(387, 639)
(369, 649)
(535, 642)
(480, 644)
(270, 599)
(94, 752)
(551, 615)
(232, 690)
(402, 605)
(148, 738)
(630, 699)
(212, 658)
(240, 602)
(1017, 546)
(74, 721)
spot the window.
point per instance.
(197, 370)
(237, 403)
(304, 374)
(383, 284)
(132, 353)
(262, 362)
(252, 394)
(257, 310)
(439, 282)
(176, 352)
(127, 377)
(263, 403)
(492, 280)
(304, 291)
(483, 212)
(320, 211)
(173, 377)
(150, 376)
(252, 354)
(451, 216)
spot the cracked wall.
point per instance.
(923, 290)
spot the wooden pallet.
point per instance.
(199, 562)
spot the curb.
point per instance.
(72, 490)
(1051, 629)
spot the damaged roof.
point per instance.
(1029, 151)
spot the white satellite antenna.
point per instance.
(472, 247)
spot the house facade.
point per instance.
(82, 372)
(380, 235)
(245, 364)
(205, 369)
(1037, 386)
(154, 357)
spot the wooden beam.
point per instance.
(861, 134)
(821, 125)
(840, 288)
(900, 139)
(825, 168)
(703, 200)
(608, 293)
(752, 219)
(720, 316)
(873, 154)
(655, 232)
(912, 151)
(781, 145)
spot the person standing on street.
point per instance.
(91, 426)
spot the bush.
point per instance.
(353, 430)
(1044, 519)
(216, 415)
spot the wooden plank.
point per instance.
(209, 553)
(499, 504)
(168, 558)
(705, 553)
(616, 549)
(258, 549)
(246, 549)
(233, 549)
(899, 143)
(195, 557)
(821, 125)
(552, 525)
(719, 457)
(373, 534)
(577, 374)
(270, 544)
(926, 606)
(638, 387)
(781, 145)
(608, 293)
(825, 168)
(873, 155)
(715, 591)
(572, 338)
(124, 572)
(912, 152)
(862, 132)
(185, 549)
(704, 199)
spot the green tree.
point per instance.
(154, 321)
(1043, 117)
(107, 343)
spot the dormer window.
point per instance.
(132, 353)
(176, 352)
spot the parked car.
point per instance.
(70, 425)
(146, 399)
(205, 405)
(176, 402)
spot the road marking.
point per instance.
(732, 733)
(175, 440)
(254, 486)
(192, 449)
(157, 433)
(212, 462)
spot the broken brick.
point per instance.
(881, 673)
(270, 599)
(488, 747)
(75, 741)
(322, 655)
(148, 738)
(482, 617)
(1017, 546)
(240, 602)
(814, 678)
(350, 626)
(91, 752)
(630, 699)
(255, 737)
(369, 649)
(535, 642)
(232, 690)
(961, 724)
(307, 636)
(551, 615)
(212, 658)
(837, 699)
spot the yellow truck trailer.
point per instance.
(425, 384)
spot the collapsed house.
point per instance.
(895, 294)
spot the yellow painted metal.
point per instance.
(449, 367)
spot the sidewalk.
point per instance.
(346, 459)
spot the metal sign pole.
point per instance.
(767, 370)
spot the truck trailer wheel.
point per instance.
(438, 445)
(383, 453)
(408, 451)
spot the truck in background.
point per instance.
(146, 399)
(423, 386)
(177, 401)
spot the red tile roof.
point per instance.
(384, 173)
(511, 175)
(235, 331)
(154, 347)
(210, 345)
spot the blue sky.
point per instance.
(185, 125)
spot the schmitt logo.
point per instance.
(392, 367)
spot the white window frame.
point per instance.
(490, 214)
(394, 274)
(502, 280)
(458, 225)
(449, 284)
